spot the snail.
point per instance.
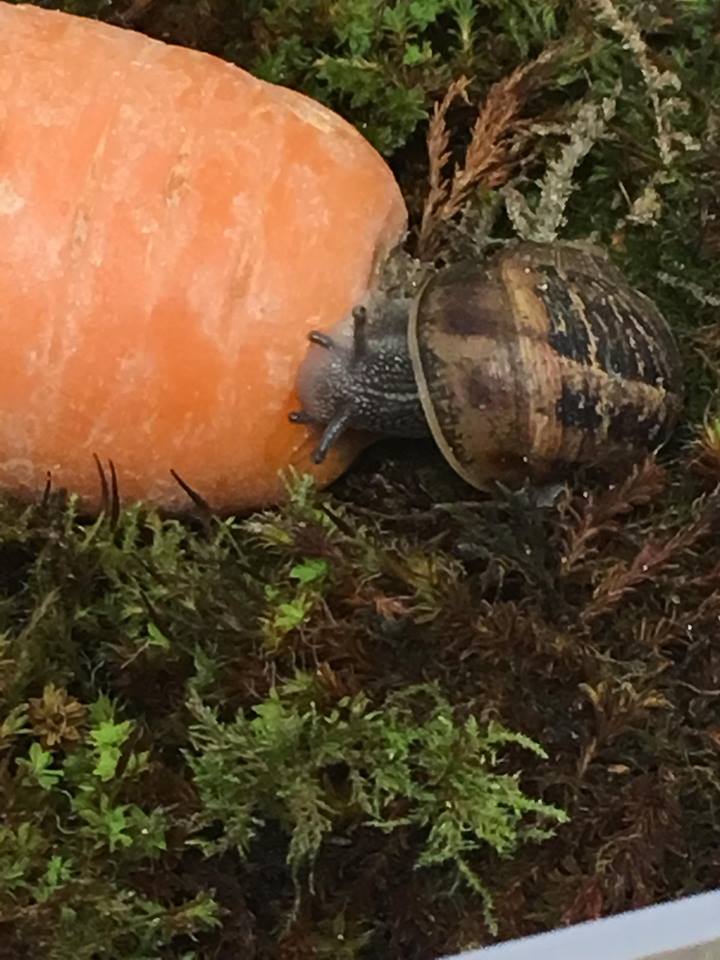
(540, 360)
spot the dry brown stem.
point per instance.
(650, 561)
(438, 139)
(616, 706)
(489, 159)
(706, 451)
(594, 516)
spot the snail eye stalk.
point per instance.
(360, 344)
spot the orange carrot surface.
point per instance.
(170, 230)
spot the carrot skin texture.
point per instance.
(171, 229)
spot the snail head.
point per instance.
(359, 376)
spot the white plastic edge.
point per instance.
(653, 932)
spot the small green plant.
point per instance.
(319, 770)
(71, 838)
(381, 62)
(290, 605)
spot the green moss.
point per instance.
(75, 832)
(176, 783)
(324, 769)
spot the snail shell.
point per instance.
(542, 359)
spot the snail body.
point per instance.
(542, 359)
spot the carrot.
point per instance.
(170, 230)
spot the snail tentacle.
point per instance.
(332, 432)
(321, 339)
(301, 416)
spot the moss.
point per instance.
(183, 759)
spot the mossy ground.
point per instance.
(313, 732)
